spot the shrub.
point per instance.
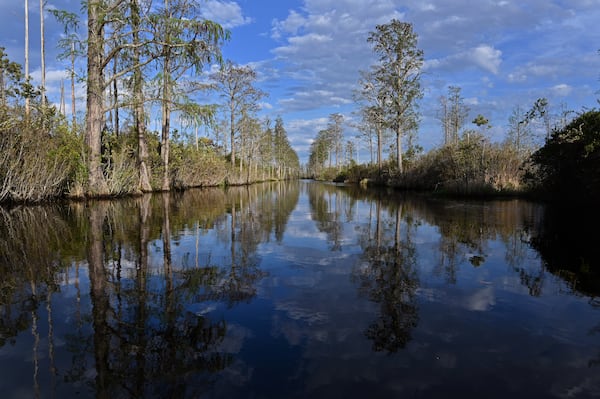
(568, 165)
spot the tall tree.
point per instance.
(519, 132)
(185, 44)
(72, 73)
(98, 13)
(374, 95)
(139, 116)
(166, 96)
(539, 110)
(319, 153)
(266, 146)
(399, 67)
(286, 159)
(72, 47)
(452, 114)
(350, 151)
(236, 85)
(173, 35)
(334, 127)
(458, 112)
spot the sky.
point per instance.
(308, 54)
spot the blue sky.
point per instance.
(308, 54)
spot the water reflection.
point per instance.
(137, 326)
(297, 290)
(388, 276)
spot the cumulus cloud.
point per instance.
(483, 56)
(487, 57)
(290, 25)
(227, 13)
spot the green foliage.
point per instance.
(568, 165)
(69, 147)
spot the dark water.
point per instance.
(299, 290)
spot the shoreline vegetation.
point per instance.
(566, 168)
(43, 160)
(47, 168)
(46, 157)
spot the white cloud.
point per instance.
(487, 57)
(562, 90)
(290, 25)
(227, 13)
(265, 105)
(296, 43)
(482, 56)
(301, 132)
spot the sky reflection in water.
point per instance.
(297, 290)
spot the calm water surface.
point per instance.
(298, 290)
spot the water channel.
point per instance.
(299, 290)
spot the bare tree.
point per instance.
(453, 114)
(373, 96)
(236, 86)
(334, 127)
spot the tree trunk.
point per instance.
(116, 99)
(399, 149)
(27, 54)
(379, 148)
(74, 123)
(139, 115)
(166, 110)
(95, 104)
(232, 131)
(62, 98)
(164, 148)
(166, 125)
(2, 89)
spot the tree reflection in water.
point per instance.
(145, 342)
(137, 324)
(388, 277)
(130, 298)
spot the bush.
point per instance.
(36, 166)
(568, 165)
(200, 168)
(473, 166)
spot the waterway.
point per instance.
(299, 290)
